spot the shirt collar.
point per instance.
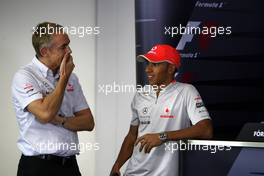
(152, 92)
(45, 71)
(168, 87)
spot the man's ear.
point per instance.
(43, 51)
(172, 69)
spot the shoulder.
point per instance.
(185, 87)
(23, 74)
(24, 82)
(143, 94)
(74, 77)
(185, 90)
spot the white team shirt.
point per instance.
(175, 107)
(35, 137)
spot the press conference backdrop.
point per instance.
(223, 158)
(226, 68)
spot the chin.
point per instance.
(152, 83)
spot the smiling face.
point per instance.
(160, 73)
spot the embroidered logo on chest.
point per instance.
(145, 110)
(70, 88)
(167, 113)
(144, 117)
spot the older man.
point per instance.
(50, 106)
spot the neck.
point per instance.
(163, 85)
(46, 62)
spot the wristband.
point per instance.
(163, 136)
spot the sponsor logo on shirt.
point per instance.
(70, 88)
(202, 110)
(145, 110)
(145, 118)
(28, 87)
(47, 87)
(199, 104)
(198, 98)
(144, 122)
(167, 114)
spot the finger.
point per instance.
(70, 58)
(66, 57)
(63, 63)
(139, 139)
(142, 144)
(67, 53)
(62, 66)
(70, 61)
(148, 149)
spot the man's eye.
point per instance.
(63, 47)
(155, 64)
(152, 64)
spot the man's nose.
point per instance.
(148, 68)
(69, 49)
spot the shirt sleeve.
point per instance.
(80, 102)
(25, 89)
(135, 118)
(195, 106)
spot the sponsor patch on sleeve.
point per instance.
(28, 87)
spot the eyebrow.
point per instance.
(65, 44)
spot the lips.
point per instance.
(150, 77)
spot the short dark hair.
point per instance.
(43, 34)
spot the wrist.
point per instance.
(62, 84)
(63, 79)
(116, 166)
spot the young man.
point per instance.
(160, 117)
(50, 107)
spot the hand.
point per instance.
(57, 120)
(115, 171)
(67, 65)
(148, 141)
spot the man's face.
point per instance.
(59, 47)
(158, 73)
